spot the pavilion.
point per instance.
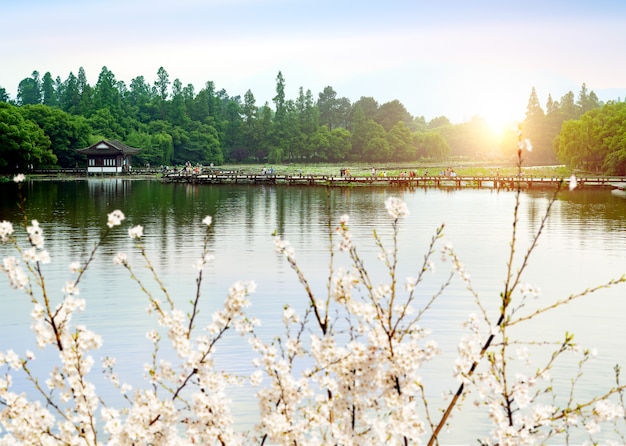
(109, 156)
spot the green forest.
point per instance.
(173, 123)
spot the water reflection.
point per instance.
(583, 243)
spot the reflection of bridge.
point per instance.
(406, 181)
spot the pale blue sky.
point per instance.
(453, 58)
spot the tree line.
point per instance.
(172, 123)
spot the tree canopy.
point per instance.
(543, 127)
(597, 141)
(23, 143)
(173, 123)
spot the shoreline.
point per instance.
(402, 181)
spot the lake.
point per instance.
(583, 245)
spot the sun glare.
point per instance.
(502, 124)
(498, 95)
(502, 114)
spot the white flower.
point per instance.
(29, 255)
(256, 378)
(198, 264)
(573, 182)
(592, 427)
(153, 335)
(525, 144)
(289, 315)
(6, 229)
(136, 232)
(430, 266)
(396, 207)
(17, 277)
(35, 234)
(115, 218)
(43, 257)
(410, 284)
(207, 220)
(70, 288)
(529, 290)
(120, 259)
(523, 353)
(19, 178)
(108, 362)
(74, 267)
(283, 247)
(606, 410)
(13, 360)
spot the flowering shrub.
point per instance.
(346, 371)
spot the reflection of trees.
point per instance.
(581, 209)
(171, 213)
(595, 205)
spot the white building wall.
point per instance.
(104, 169)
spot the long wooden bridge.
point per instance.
(239, 177)
(400, 181)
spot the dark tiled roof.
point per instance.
(109, 147)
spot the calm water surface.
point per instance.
(583, 245)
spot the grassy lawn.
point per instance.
(462, 168)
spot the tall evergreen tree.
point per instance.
(199, 111)
(162, 85)
(85, 92)
(250, 129)
(327, 105)
(551, 105)
(212, 101)
(48, 91)
(279, 99)
(189, 98)
(106, 93)
(138, 99)
(69, 97)
(279, 126)
(308, 113)
(4, 96)
(587, 100)
(232, 115)
(536, 129)
(176, 112)
(29, 90)
(249, 108)
(265, 132)
(534, 112)
(568, 107)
